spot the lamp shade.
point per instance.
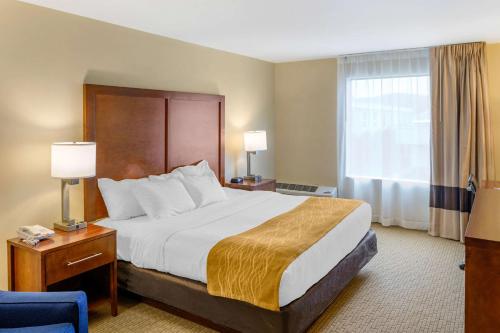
(72, 160)
(255, 140)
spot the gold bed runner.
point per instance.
(248, 266)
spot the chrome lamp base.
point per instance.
(67, 224)
(254, 178)
(249, 176)
(70, 225)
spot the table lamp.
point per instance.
(254, 141)
(70, 162)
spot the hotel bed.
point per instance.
(149, 132)
(180, 246)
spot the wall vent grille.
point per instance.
(311, 190)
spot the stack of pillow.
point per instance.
(180, 191)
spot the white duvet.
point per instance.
(180, 245)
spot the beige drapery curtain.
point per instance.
(461, 142)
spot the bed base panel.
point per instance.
(190, 299)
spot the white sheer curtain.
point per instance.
(384, 134)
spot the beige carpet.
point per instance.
(412, 285)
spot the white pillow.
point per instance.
(118, 198)
(201, 183)
(200, 169)
(163, 198)
(204, 189)
(166, 176)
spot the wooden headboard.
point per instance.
(142, 132)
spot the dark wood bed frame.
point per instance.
(141, 132)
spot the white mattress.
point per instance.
(180, 245)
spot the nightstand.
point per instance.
(250, 185)
(77, 260)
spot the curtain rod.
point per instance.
(402, 50)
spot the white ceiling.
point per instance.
(286, 30)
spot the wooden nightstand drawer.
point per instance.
(76, 259)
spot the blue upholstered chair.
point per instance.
(43, 312)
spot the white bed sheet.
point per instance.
(180, 245)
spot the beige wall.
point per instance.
(493, 55)
(45, 58)
(305, 106)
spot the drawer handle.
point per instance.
(71, 263)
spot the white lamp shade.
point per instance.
(255, 140)
(72, 160)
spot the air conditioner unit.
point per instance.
(311, 190)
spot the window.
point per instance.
(388, 128)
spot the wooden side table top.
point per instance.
(250, 185)
(484, 221)
(63, 239)
(490, 184)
